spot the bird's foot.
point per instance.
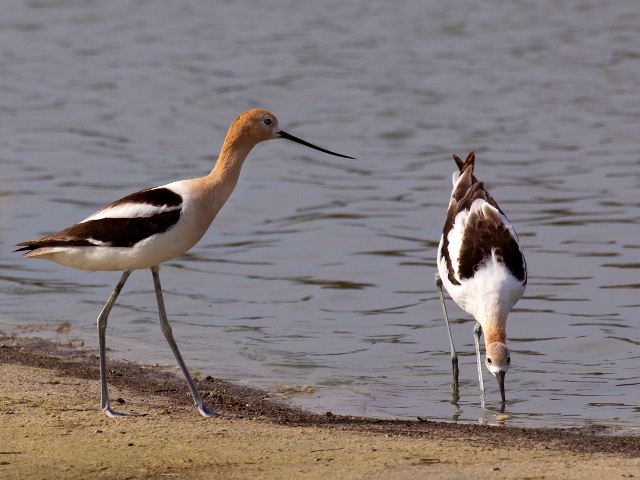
(113, 414)
(205, 412)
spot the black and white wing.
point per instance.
(477, 229)
(122, 223)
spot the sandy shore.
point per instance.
(51, 427)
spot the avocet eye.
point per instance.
(508, 359)
(268, 121)
(489, 361)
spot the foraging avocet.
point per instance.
(151, 226)
(482, 268)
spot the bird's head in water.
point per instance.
(498, 361)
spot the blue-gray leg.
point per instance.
(477, 332)
(102, 333)
(454, 355)
(168, 334)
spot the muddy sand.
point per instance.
(51, 427)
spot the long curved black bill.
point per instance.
(288, 136)
(500, 377)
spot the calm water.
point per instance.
(319, 271)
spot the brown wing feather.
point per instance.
(485, 229)
(463, 184)
(485, 233)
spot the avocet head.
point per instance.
(498, 361)
(255, 126)
(259, 125)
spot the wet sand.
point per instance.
(51, 427)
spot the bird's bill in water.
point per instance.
(500, 377)
(288, 136)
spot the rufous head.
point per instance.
(498, 360)
(256, 125)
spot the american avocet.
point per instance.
(482, 268)
(151, 226)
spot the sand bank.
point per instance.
(51, 427)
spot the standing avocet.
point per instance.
(149, 227)
(482, 268)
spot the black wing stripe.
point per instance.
(159, 197)
(35, 244)
(114, 232)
